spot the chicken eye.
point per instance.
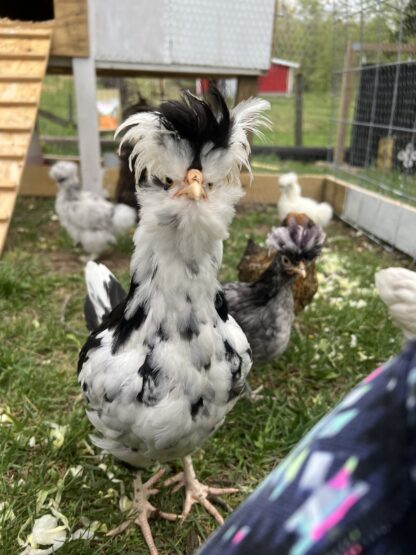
(169, 181)
(285, 260)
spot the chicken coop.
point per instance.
(95, 47)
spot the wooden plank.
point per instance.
(246, 87)
(387, 47)
(17, 104)
(23, 69)
(20, 86)
(21, 118)
(70, 37)
(11, 79)
(37, 182)
(10, 171)
(264, 189)
(8, 185)
(11, 45)
(8, 199)
(19, 92)
(21, 57)
(334, 192)
(299, 86)
(4, 226)
(25, 29)
(14, 143)
(88, 135)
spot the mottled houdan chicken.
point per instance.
(291, 200)
(397, 289)
(257, 259)
(165, 366)
(126, 183)
(89, 219)
(265, 309)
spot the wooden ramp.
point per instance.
(24, 52)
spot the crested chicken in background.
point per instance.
(89, 219)
(257, 259)
(291, 200)
(165, 365)
(265, 308)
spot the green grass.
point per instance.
(42, 330)
(316, 120)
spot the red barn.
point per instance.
(279, 79)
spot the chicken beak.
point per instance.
(300, 270)
(193, 188)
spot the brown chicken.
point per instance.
(256, 260)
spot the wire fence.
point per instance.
(373, 115)
(116, 98)
(358, 61)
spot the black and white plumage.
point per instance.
(89, 219)
(264, 309)
(167, 364)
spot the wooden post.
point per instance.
(87, 117)
(246, 87)
(298, 109)
(345, 101)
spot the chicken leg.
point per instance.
(142, 510)
(195, 491)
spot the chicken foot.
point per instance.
(195, 492)
(142, 510)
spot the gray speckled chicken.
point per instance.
(264, 309)
(89, 219)
(165, 365)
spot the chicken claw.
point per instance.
(142, 510)
(195, 491)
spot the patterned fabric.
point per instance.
(348, 488)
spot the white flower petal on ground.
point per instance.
(125, 504)
(353, 343)
(46, 532)
(57, 434)
(76, 471)
(6, 514)
(5, 416)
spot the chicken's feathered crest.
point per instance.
(66, 172)
(289, 180)
(297, 239)
(196, 126)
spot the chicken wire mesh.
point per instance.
(116, 97)
(357, 58)
(373, 112)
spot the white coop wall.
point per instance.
(218, 36)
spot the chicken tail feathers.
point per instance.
(397, 289)
(104, 293)
(124, 217)
(324, 214)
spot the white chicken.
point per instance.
(397, 289)
(291, 200)
(89, 219)
(166, 364)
